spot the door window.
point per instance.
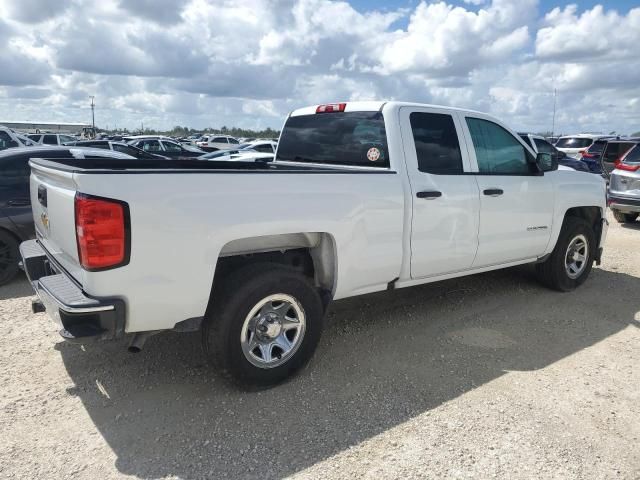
(171, 147)
(497, 151)
(50, 140)
(436, 141)
(151, 146)
(544, 147)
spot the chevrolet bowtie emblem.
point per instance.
(45, 220)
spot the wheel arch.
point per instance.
(312, 253)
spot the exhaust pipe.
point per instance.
(138, 341)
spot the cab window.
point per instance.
(171, 147)
(497, 151)
(436, 141)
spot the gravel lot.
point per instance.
(487, 376)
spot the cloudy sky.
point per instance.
(249, 62)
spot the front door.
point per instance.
(444, 225)
(516, 201)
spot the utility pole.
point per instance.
(93, 116)
(553, 124)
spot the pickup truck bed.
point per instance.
(361, 197)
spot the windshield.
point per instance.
(574, 142)
(340, 138)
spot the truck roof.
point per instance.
(374, 106)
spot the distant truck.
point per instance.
(361, 197)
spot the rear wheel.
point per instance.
(624, 217)
(570, 263)
(9, 257)
(263, 325)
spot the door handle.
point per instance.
(429, 195)
(19, 203)
(493, 192)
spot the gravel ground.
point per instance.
(487, 376)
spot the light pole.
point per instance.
(93, 116)
(553, 124)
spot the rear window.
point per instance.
(615, 150)
(341, 138)
(574, 142)
(633, 156)
(598, 146)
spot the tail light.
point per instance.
(626, 166)
(331, 107)
(102, 232)
(586, 154)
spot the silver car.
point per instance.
(624, 187)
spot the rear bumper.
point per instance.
(82, 319)
(624, 204)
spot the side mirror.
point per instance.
(546, 162)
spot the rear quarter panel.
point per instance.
(181, 221)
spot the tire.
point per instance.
(624, 217)
(554, 272)
(227, 323)
(9, 257)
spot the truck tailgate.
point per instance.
(52, 199)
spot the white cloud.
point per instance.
(248, 62)
(593, 34)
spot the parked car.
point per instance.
(362, 197)
(51, 138)
(262, 146)
(614, 151)
(11, 139)
(210, 143)
(624, 187)
(166, 147)
(16, 218)
(238, 156)
(592, 155)
(575, 145)
(540, 145)
(121, 147)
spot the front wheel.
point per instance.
(624, 217)
(263, 325)
(570, 263)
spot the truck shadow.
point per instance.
(385, 358)
(16, 288)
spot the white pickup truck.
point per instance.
(361, 197)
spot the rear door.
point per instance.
(516, 202)
(444, 226)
